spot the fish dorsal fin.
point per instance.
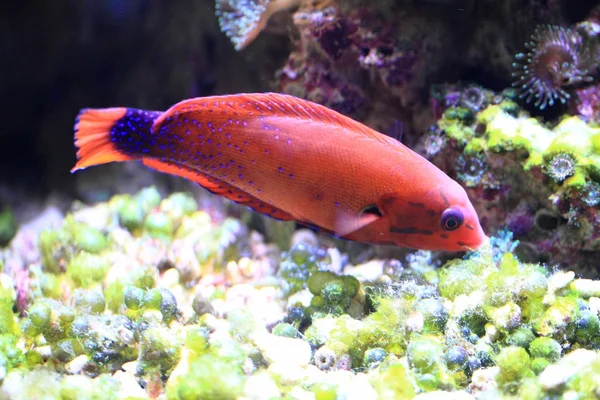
(218, 187)
(273, 105)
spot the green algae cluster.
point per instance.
(8, 226)
(148, 297)
(568, 153)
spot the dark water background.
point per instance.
(59, 56)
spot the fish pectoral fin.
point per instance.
(347, 223)
(219, 187)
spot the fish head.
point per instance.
(441, 218)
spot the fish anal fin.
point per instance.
(219, 187)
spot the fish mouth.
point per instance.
(476, 245)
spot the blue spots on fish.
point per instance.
(131, 134)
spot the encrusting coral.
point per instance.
(537, 178)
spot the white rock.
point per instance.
(336, 260)
(358, 388)
(288, 375)
(369, 271)
(595, 305)
(129, 388)
(99, 216)
(586, 287)
(484, 379)
(555, 376)
(76, 365)
(278, 349)
(464, 304)
(303, 297)
(300, 394)
(415, 321)
(560, 279)
(305, 236)
(130, 367)
(261, 387)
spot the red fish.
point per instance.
(291, 159)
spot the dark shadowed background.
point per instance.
(57, 57)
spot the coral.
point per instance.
(590, 194)
(145, 296)
(125, 319)
(342, 52)
(561, 166)
(552, 63)
(243, 20)
(539, 180)
(470, 169)
(588, 103)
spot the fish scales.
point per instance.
(305, 159)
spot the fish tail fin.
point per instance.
(110, 134)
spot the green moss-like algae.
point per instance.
(186, 313)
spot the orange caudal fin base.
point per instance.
(111, 134)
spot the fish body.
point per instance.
(292, 159)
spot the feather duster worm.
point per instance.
(552, 63)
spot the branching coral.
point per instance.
(552, 63)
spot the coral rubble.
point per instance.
(149, 297)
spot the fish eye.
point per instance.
(451, 219)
